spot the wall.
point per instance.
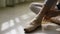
(3, 3)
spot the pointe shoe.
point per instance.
(55, 20)
(32, 26)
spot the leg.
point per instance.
(37, 22)
(36, 7)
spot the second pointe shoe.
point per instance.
(55, 20)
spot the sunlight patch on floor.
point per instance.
(18, 29)
(5, 26)
(12, 23)
(17, 20)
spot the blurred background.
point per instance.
(16, 13)
(5, 3)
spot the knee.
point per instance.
(35, 7)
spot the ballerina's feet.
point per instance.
(32, 26)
